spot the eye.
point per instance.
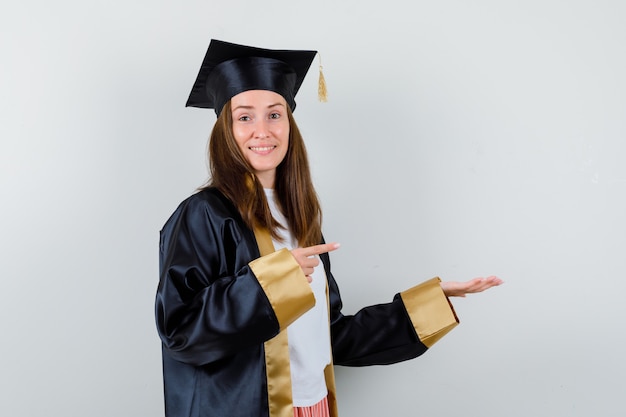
(244, 118)
(275, 115)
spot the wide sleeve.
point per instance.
(392, 332)
(216, 296)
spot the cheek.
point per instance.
(282, 131)
(240, 136)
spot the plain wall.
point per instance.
(460, 139)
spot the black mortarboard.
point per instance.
(229, 69)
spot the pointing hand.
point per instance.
(306, 257)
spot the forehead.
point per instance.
(257, 98)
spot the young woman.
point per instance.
(250, 321)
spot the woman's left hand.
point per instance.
(461, 289)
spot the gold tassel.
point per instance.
(322, 94)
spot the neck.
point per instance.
(266, 179)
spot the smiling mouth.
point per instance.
(261, 148)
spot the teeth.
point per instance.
(262, 149)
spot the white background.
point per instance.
(462, 138)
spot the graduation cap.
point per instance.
(229, 69)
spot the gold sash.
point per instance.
(276, 353)
(277, 367)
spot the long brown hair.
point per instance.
(235, 178)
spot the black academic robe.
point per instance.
(219, 303)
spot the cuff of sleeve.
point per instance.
(284, 284)
(430, 311)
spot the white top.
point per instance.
(309, 335)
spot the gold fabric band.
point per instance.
(277, 369)
(329, 375)
(284, 284)
(329, 372)
(282, 279)
(430, 311)
(278, 376)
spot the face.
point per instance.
(261, 129)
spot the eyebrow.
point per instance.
(246, 107)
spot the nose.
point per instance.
(261, 130)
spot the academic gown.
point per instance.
(220, 306)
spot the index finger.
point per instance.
(318, 249)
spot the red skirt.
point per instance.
(318, 410)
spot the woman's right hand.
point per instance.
(306, 257)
